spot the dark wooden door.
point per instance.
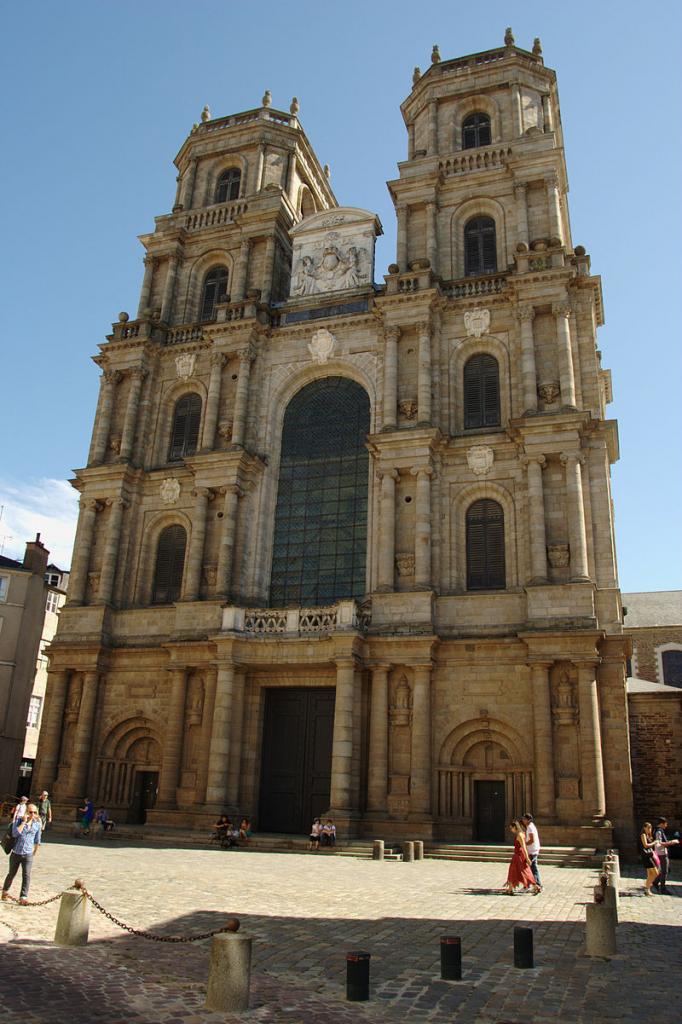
(297, 758)
(489, 803)
(145, 788)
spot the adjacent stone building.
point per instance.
(349, 546)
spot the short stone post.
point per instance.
(73, 923)
(600, 930)
(418, 849)
(611, 898)
(408, 851)
(378, 849)
(229, 973)
(612, 865)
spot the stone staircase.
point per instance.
(559, 856)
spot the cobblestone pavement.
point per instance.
(304, 913)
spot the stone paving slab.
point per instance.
(305, 913)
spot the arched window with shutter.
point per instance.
(481, 392)
(227, 187)
(480, 247)
(170, 562)
(485, 546)
(185, 430)
(214, 291)
(476, 131)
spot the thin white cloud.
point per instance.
(44, 506)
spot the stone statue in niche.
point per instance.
(335, 268)
(563, 703)
(401, 705)
(73, 702)
(194, 706)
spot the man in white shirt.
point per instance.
(19, 811)
(532, 845)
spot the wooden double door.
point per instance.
(296, 759)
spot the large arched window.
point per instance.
(480, 247)
(214, 290)
(485, 545)
(170, 561)
(227, 187)
(481, 392)
(320, 540)
(185, 430)
(476, 131)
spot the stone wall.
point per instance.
(656, 741)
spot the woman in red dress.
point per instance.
(519, 869)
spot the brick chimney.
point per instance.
(36, 556)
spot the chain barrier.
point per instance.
(231, 926)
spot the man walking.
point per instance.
(662, 844)
(533, 846)
(45, 809)
(27, 833)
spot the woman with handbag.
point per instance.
(26, 834)
(649, 856)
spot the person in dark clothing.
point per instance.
(662, 844)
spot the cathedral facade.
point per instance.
(343, 546)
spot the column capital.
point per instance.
(232, 489)
(149, 260)
(521, 187)
(203, 492)
(527, 459)
(562, 309)
(552, 181)
(424, 329)
(111, 377)
(567, 457)
(346, 661)
(247, 354)
(525, 313)
(118, 502)
(137, 372)
(421, 471)
(379, 666)
(218, 359)
(391, 333)
(539, 661)
(392, 473)
(90, 504)
(245, 247)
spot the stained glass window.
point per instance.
(320, 539)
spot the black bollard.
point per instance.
(451, 958)
(357, 976)
(523, 947)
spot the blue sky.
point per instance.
(98, 97)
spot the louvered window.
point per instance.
(476, 131)
(485, 546)
(672, 667)
(215, 290)
(170, 561)
(227, 188)
(185, 432)
(480, 247)
(481, 392)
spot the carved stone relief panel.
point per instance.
(333, 252)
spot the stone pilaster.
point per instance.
(219, 751)
(241, 272)
(420, 770)
(391, 336)
(377, 767)
(169, 288)
(108, 382)
(520, 191)
(424, 376)
(82, 741)
(227, 538)
(111, 546)
(202, 496)
(51, 729)
(212, 402)
(542, 739)
(172, 744)
(188, 180)
(517, 110)
(591, 765)
(422, 531)
(342, 742)
(410, 141)
(402, 216)
(386, 573)
(268, 269)
(78, 579)
(575, 515)
(432, 235)
(241, 398)
(137, 375)
(237, 732)
(529, 383)
(554, 209)
(146, 291)
(433, 128)
(536, 518)
(562, 312)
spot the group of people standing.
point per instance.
(654, 844)
(523, 869)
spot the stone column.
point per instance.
(433, 128)
(241, 272)
(542, 738)
(554, 209)
(268, 269)
(169, 288)
(591, 765)
(575, 515)
(391, 336)
(82, 741)
(422, 532)
(241, 398)
(520, 190)
(226, 545)
(111, 546)
(206, 728)
(529, 383)
(291, 169)
(410, 141)
(377, 762)
(536, 518)
(188, 185)
(236, 734)
(402, 215)
(420, 770)
(108, 382)
(212, 402)
(219, 751)
(78, 580)
(424, 376)
(386, 572)
(562, 312)
(51, 729)
(202, 496)
(432, 235)
(517, 111)
(602, 521)
(146, 292)
(137, 375)
(260, 167)
(174, 714)
(342, 742)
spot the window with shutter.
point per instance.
(227, 188)
(215, 290)
(170, 562)
(480, 247)
(672, 667)
(485, 546)
(185, 431)
(476, 131)
(481, 392)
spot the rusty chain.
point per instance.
(231, 926)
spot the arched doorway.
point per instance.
(127, 773)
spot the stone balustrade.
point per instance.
(259, 114)
(484, 158)
(214, 216)
(472, 287)
(180, 335)
(296, 621)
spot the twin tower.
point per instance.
(347, 546)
